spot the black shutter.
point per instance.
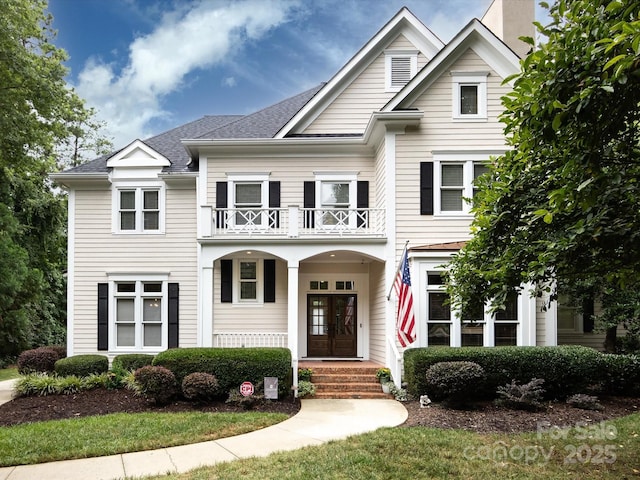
(269, 281)
(588, 311)
(309, 202)
(362, 201)
(174, 314)
(426, 188)
(226, 281)
(103, 316)
(274, 202)
(221, 202)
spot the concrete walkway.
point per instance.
(317, 422)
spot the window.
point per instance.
(506, 323)
(401, 66)
(336, 200)
(469, 95)
(139, 210)
(455, 184)
(438, 311)
(248, 280)
(248, 203)
(140, 315)
(473, 324)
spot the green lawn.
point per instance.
(401, 453)
(8, 373)
(119, 433)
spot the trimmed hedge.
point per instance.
(565, 369)
(456, 382)
(41, 359)
(621, 374)
(157, 384)
(231, 366)
(82, 365)
(131, 361)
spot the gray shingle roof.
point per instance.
(264, 123)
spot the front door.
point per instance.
(331, 325)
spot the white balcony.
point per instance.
(293, 222)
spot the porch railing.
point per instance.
(295, 222)
(247, 340)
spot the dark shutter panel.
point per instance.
(274, 202)
(269, 281)
(588, 311)
(103, 316)
(362, 201)
(174, 314)
(226, 281)
(309, 202)
(426, 188)
(221, 202)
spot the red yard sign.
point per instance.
(246, 389)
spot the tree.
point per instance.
(564, 203)
(37, 113)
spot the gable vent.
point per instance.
(400, 71)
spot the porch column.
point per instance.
(205, 323)
(292, 316)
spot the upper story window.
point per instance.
(400, 66)
(336, 200)
(138, 209)
(469, 95)
(248, 201)
(455, 184)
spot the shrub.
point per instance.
(527, 396)
(61, 350)
(304, 374)
(41, 359)
(621, 374)
(585, 402)
(131, 361)
(248, 402)
(82, 365)
(157, 384)
(565, 369)
(200, 387)
(231, 366)
(306, 388)
(455, 382)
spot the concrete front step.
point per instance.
(345, 395)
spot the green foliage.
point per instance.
(200, 387)
(131, 361)
(384, 375)
(82, 365)
(157, 384)
(247, 403)
(585, 402)
(304, 374)
(41, 384)
(562, 203)
(306, 388)
(527, 396)
(41, 359)
(621, 374)
(456, 382)
(565, 369)
(231, 366)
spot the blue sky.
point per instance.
(149, 65)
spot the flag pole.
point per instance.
(397, 269)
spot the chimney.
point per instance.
(510, 19)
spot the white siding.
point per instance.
(438, 132)
(98, 251)
(351, 110)
(378, 301)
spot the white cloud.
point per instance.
(229, 82)
(197, 37)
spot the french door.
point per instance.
(331, 325)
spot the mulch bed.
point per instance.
(101, 401)
(485, 418)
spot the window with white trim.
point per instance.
(469, 93)
(140, 315)
(439, 315)
(455, 184)
(250, 283)
(249, 197)
(336, 196)
(139, 210)
(400, 67)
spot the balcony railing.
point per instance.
(293, 222)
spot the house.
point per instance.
(285, 227)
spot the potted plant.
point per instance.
(384, 376)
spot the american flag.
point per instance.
(406, 321)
